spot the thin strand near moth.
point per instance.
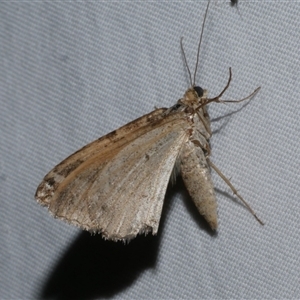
(116, 185)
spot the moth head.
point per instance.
(194, 96)
(199, 91)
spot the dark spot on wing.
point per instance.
(69, 168)
(51, 181)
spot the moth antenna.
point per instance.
(200, 41)
(235, 192)
(185, 61)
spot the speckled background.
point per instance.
(71, 72)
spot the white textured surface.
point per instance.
(73, 71)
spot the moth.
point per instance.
(116, 185)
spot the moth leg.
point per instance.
(218, 100)
(235, 192)
(241, 100)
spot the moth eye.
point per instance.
(199, 91)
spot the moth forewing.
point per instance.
(103, 145)
(116, 185)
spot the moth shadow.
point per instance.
(94, 268)
(227, 116)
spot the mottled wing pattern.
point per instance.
(116, 185)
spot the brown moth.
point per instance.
(116, 185)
